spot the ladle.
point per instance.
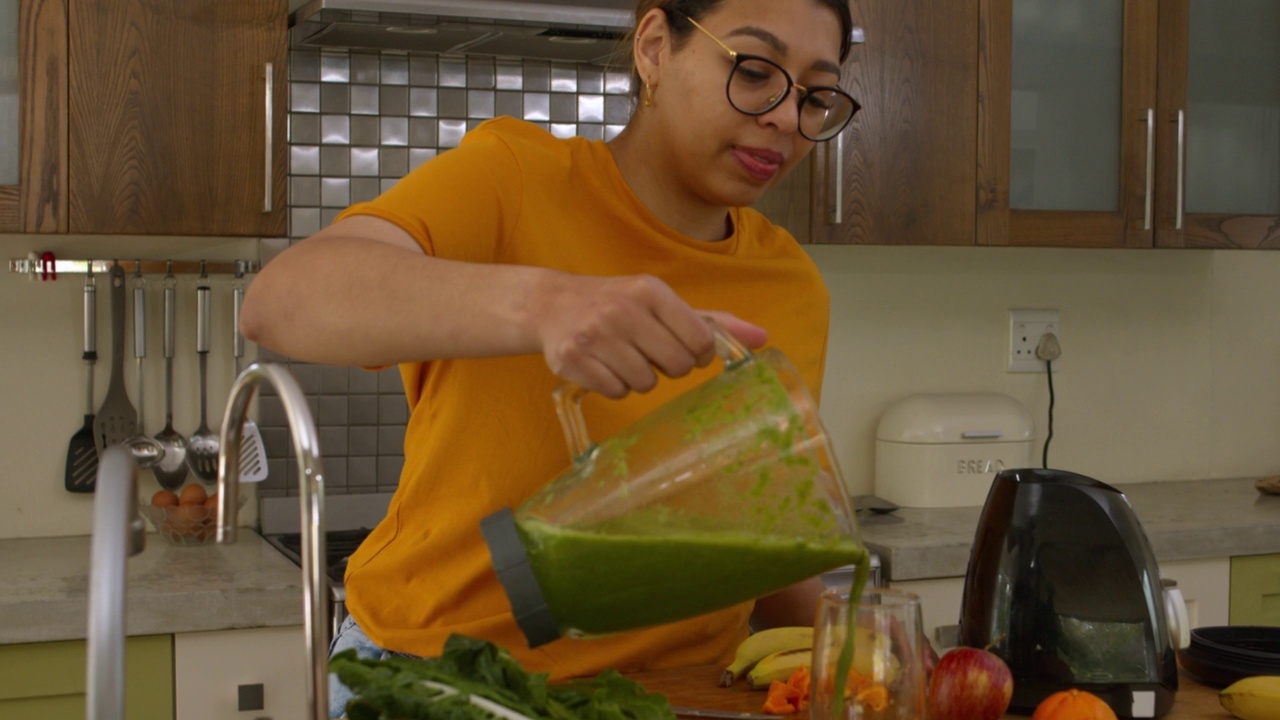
(147, 452)
(171, 471)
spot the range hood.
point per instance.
(584, 31)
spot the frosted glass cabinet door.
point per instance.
(1065, 119)
(8, 92)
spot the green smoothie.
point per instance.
(603, 582)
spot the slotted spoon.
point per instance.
(117, 420)
(171, 471)
(202, 447)
(147, 452)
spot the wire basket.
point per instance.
(186, 524)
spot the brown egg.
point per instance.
(164, 498)
(192, 494)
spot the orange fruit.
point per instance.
(164, 498)
(1073, 704)
(193, 494)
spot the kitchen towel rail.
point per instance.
(48, 268)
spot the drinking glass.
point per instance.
(886, 679)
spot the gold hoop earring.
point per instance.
(648, 95)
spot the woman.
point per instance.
(517, 260)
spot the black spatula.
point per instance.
(82, 452)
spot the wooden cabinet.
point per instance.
(257, 673)
(1255, 590)
(177, 117)
(47, 680)
(35, 200)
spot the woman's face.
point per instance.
(720, 155)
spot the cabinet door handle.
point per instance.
(269, 75)
(1182, 165)
(837, 183)
(1151, 168)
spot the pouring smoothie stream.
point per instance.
(727, 493)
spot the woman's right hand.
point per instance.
(612, 335)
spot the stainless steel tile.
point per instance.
(304, 129)
(395, 130)
(363, 409)
(335, 160)
(304, 222)
(480, 104)
(362, 472)
(422, 70)
(453, 72)
(564, 130)
(417, 156)
(617, 109)
(364, 68)
(392, 409)
(591, 131)
(474, 123)
(335, 98)
(613, 131)
(509, 75)
(395, 69)
(333, 381)
(366, 129)
(564, 107)
(393, 100)
(276, 484)
(393, 162)
(364, 99)
(422, 132)
(335, 129)
(335, 192)
(304, 97)
(453, 103)
(364, 161)
(364, 381)
(304, 191)
(389, 469)
(304, 65)
(364, 190)
(333, 410)
(591, 108)
(275, 440)
(617, 82)
(451, 132)
(390, 382)
(335, 474)
(564, 78)
(304, 159)
(334, 442)
(390, 439)
(271, 413)
(328, 215)
(385, 184)
(362, 440)
(423, 102)
(506, 102)
(335, 67)
(480, 74)
(590, 79)
(537, 106)
(537, 76)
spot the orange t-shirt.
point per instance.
(483, 433)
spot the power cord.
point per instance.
(1048, 350)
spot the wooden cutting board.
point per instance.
(699, 687)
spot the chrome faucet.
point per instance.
(118, 533)
(302, 427)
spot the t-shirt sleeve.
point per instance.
(458, 205)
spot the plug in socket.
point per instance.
(1026, 328)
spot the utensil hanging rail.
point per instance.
(36, 266)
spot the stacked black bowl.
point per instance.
(1222, 655)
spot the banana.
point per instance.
(762, 644)
(778, 666)
(1253, 698)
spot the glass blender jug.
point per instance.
(726, 493)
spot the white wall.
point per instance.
(1170, 366)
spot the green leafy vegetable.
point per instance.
(401, 688)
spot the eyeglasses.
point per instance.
(757, 85)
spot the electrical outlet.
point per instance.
(1025, 329)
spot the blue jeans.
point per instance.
(350, 636)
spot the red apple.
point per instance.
(970, 684)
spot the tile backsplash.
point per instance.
(358, 122)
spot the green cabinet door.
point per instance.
(1255, 590)
(47, 680)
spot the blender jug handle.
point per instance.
(568, 396)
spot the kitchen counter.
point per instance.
(44, 588)
(698, 687)
(1184, 520)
